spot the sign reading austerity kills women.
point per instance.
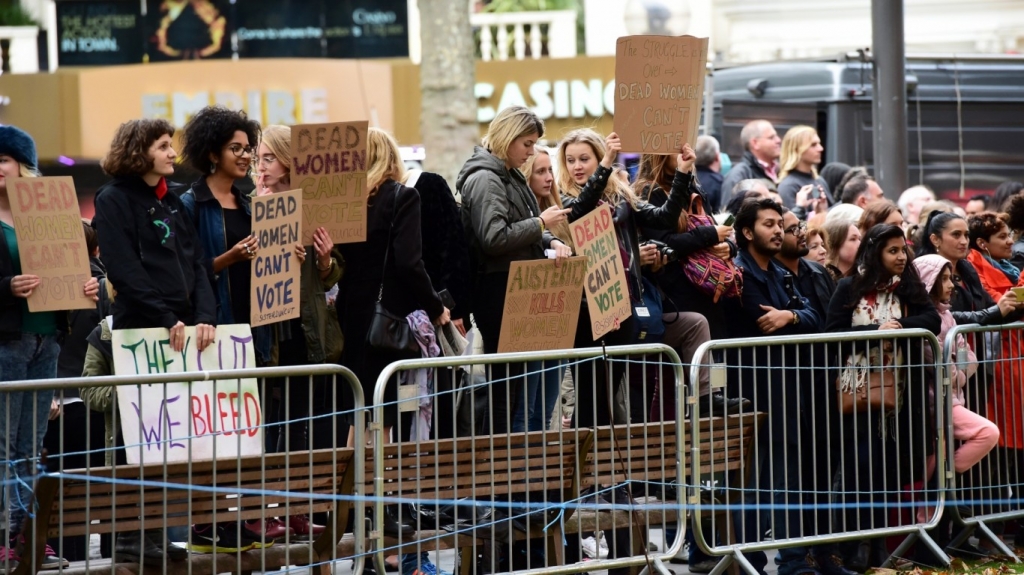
(198, 420)
(659, 88)
(329, 165)
(276, 223)
(51, 241)
(542, 305)
(605, 284)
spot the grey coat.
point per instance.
(499, 213)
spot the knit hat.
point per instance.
(19, 145)
(929, 267)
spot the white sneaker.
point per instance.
(595, 548)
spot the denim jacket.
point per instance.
(208, 218)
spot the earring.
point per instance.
(213, 168)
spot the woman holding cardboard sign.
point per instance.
(503, 224)
(28, 350)
(584, 181)
(302, 340)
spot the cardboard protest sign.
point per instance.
(276, 222)
(51, 241)
(542, 305)
(605, 284)
(182, 421)
(659, 88)
(329, 165)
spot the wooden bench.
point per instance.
(526, 465)
(647, 453)
(70, 505)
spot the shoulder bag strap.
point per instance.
(387, 250)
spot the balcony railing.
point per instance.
(522, 35)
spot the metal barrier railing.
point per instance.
(510, 496)
(191, 471)
(987, 494)
(819, 472)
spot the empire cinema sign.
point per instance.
(561, 99)
(305, 106)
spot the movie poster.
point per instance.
(367, 28)
(280, 28)
(188, 29)
(98, 33)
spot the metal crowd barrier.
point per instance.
(216, 463)
(987, 497)
(543, 497)
(816, 477)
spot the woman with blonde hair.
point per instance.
(585, 166)
(799, 183)
(503, 224)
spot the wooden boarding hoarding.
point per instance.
(51, 241)
(659, 89)
(182, 421)
(329, 166)
(277, 225)
(542, 305)
(605, 285)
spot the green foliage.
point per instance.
(12, 14)
(530, 5)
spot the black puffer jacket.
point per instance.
(153, 257)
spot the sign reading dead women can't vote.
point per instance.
(51, 241)
(605, 284)
(542, 305)
(179, 421)
(659, 88)
(329, 165)
(276, 223)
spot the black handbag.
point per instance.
(387, 330)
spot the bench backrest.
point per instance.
(124, 498)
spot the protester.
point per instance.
(977, 435)
(158, 271)
(761, 145)
(843, 243)
(543, 378)
(833, 174)
(580, 180)
(503, 224)
(977, 204)
(709, 168)
(912, 200)
(1015, 220)
(220, 144)
(801, 154)
(862, 191)
(771, 305)
(881, 212)
(817, 246)
(916, 233)
(687, 311)
(1004, 193)
(882, 293)
(301, 341)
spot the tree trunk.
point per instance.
(448, 119)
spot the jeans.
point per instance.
(542, 390)
(25, 415)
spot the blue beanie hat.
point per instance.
(19, 145)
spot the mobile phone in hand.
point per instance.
(729, 220)
(446, 299)
(815, 192)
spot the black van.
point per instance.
(965, 115)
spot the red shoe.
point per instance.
(304, 527)
(272, 528)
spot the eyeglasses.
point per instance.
(266, 160)
(797, 230)
(238, 150)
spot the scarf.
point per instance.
(420, 380)
(876, 308)
(1006, 267)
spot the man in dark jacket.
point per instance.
(771, 305)
(819, 409)
(762, 147)
(709, 164)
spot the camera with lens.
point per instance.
(664, 250)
